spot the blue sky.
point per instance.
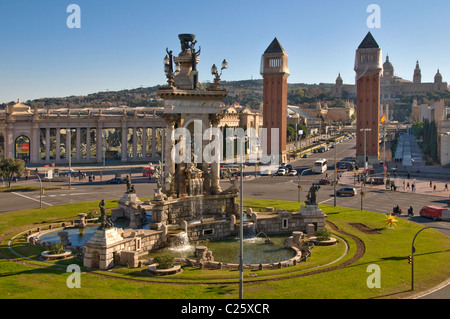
(121, 44)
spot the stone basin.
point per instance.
(328, 242)
(176, 269)
(47, 256)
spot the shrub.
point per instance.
(164, 261)
(323, 234)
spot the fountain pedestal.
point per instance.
(101, 248)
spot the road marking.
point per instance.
(326, 200)
(37, 200)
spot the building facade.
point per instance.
(97, 135)
(43, 136)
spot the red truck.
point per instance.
(437, 213)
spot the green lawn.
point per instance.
(388, 248)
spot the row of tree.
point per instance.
(427, 131)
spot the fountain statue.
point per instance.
(312, 195)
(105, 221)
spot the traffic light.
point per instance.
(410, 259)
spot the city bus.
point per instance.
(320, 166)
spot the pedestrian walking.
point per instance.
(431, 184)
(446, 187)
(434, 188)
(407, 186)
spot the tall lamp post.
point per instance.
(70, 158)
(241, 221)
(365, 163)
(40, 183)
(335, 171)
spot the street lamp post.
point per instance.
(412, 257)
(241, 221)
(365, 163)
(40, 196)
(70, 158)
(335, 172)
(104, 150)
(241, 236)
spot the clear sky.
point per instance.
(121, 44)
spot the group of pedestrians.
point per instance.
(434, 186)
(408, 186)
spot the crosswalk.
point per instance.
(42, 198)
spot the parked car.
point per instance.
(115, 180)
(281, 171)
(305, 155)
(324, 181)
(266, 172)
(292, 172)
(288, 168)
(346, 191)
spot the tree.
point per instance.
(417, 128)
(10, 167)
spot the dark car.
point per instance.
(345, 165)
(324, 181)
(346, 191)
(377, 181)
(305, 155)
(115, 180)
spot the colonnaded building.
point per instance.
(95, 135)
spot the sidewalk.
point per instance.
(422, 185)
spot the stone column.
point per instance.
(58, 143)
(144, 142)
(78, 143)
(67, 144)
(88, 143)
(169, 172)
(153, 142)
(99, 140)
(47, 144)
(34, 147)
(10, 141)
(134, 143)
(124, 155)
(215, 165)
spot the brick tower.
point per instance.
(368, 70)
(275, 71)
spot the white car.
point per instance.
(293, 172)
(281, 171)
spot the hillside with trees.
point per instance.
(248, 93)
